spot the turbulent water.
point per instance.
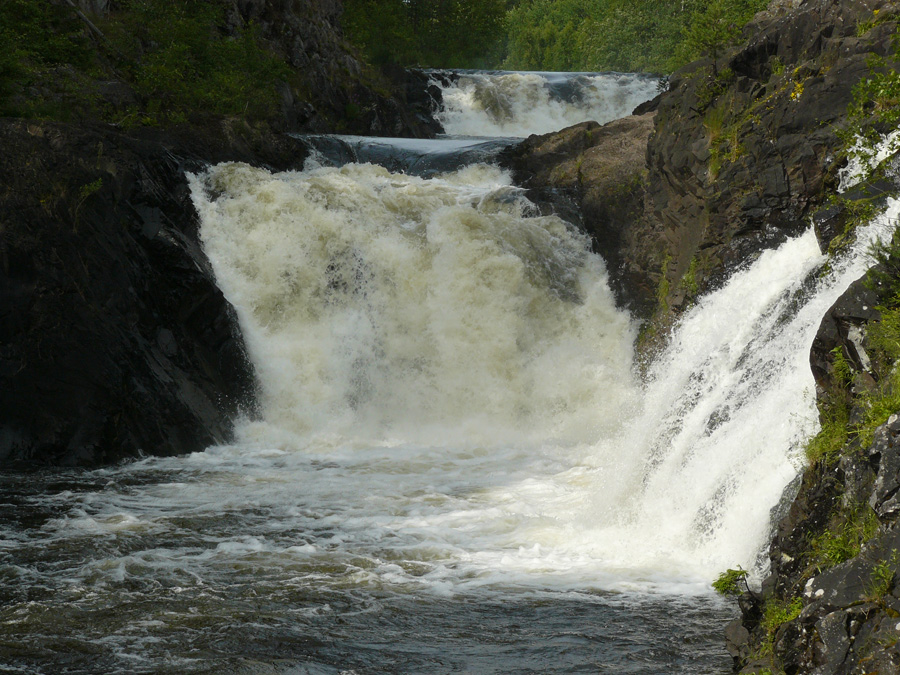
(455, 467)
(521, 103)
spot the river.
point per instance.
(455, 467)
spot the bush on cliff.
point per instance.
(447, 34)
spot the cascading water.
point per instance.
(437, 313)
(456, 468)
(477, 103)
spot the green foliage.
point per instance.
(878, 18)
(723, 135)
(90, 188)
(715, 86)
(547, 35)
(778, 612)
(710, 30)
(662, 290)
(883, 577)
(883, 338)
(84, 193)
(170, 53)
(180, 64)
(625, 35)
(42, 44)
(843, 373)
(843, 539)
(622, 35)
(834, 415)
(731, 582)
(879, 406)
(689, 281)
(446, 33)
(777, 66)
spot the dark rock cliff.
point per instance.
(114, 339)
(742, 152)
(746, 148)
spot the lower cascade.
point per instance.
(456, 465)
(461, 360)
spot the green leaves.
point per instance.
(180, 64)
(624, 35)
(171, 54)
(731, 582)
(435, 33)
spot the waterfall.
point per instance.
(457, 466)
(393, 305)
(441, 323)
(477, 103)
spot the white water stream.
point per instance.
(524, 103)
(465, 366)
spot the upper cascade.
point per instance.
(518, 104)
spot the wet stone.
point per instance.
(832, 632)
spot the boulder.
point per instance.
(594, 176)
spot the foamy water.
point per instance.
(524, 103)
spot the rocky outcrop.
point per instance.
(114, 339)
(843, 329)
(745, 148)
(743, 151)
(595, 176)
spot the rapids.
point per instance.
(455, 466)
(477, 103)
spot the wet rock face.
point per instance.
(843, 328)
(114, 339)
(745, 148)
(850, 618)
(594, 176)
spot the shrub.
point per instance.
(731, 582)
(843, 540)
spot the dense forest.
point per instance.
(168, 60)
(563, 35)
(163, 62)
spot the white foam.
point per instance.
(522, 103)
(450, 380)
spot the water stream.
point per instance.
(456, 469)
